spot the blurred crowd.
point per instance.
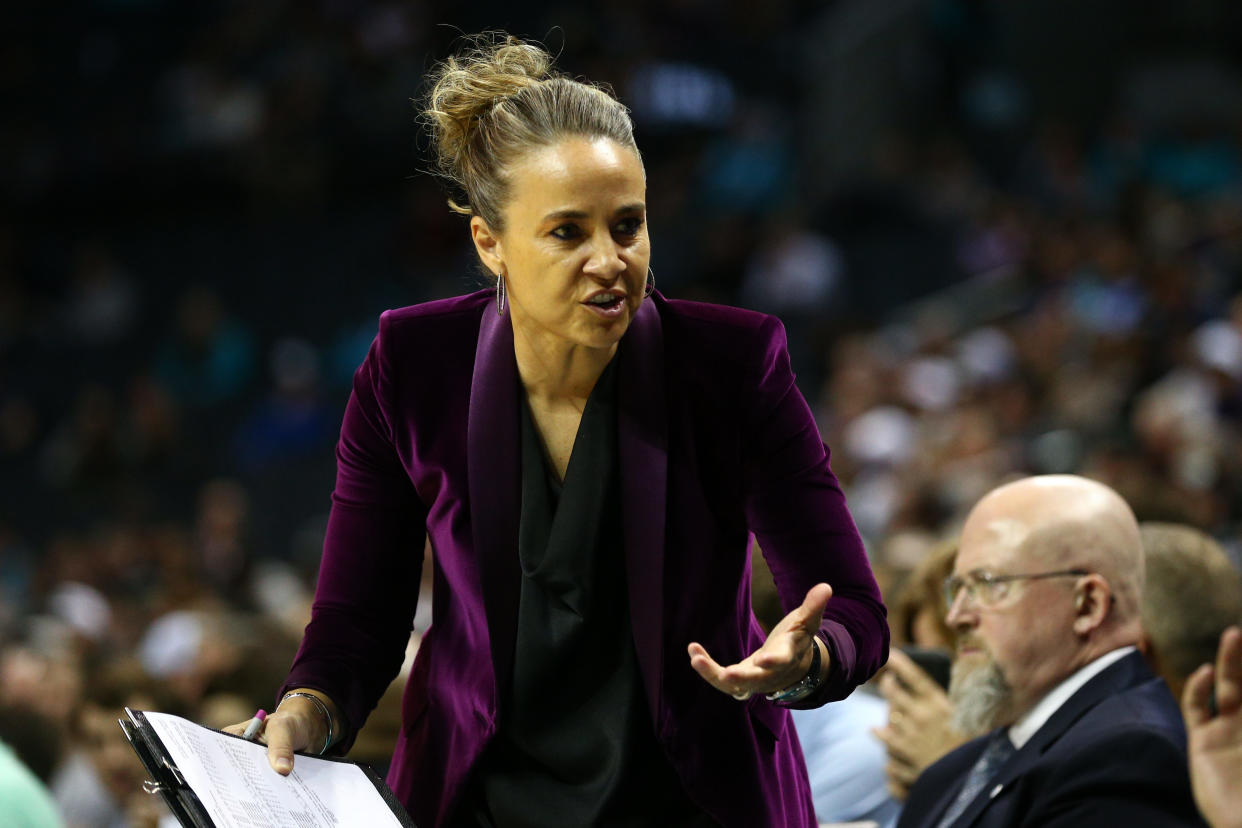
(206, 206)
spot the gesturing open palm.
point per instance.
(783, 659)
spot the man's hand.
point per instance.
(1215, 741)
(782, 660)
(919, 715)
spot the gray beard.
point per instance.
(980, 697)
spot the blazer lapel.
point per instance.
(494, 475)
(494, 470)
(642, 441)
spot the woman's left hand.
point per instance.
(783, 659)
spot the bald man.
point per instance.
(1046, 597)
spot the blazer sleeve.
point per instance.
(372, 557)
(797, 510)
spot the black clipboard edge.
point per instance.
(164, 777)
(385, 792)
(168, 781)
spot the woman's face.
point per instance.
(574, 249)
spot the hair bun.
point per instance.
(498, 99)
(491, 68)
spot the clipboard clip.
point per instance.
(175, 772)
(157, 787)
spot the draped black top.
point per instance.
(578, 745)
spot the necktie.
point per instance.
(998, 750)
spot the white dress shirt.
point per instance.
(1021, 731)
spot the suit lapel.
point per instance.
(494, 474)
(642, 442)
(1114, 679)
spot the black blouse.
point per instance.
(578, 745)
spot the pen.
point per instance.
(252, 729)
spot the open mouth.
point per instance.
(605, 301)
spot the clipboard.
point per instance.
(165, 779)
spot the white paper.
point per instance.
(240, 790)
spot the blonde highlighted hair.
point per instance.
(499, 99)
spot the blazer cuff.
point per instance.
(842, 657)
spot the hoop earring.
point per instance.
(500, 294)
(650, 286)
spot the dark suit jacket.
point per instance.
(1113, 755)
(714, 442)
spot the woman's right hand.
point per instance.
(297, 724)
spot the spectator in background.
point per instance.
(1193, 594)
(42, 679)
(920, 727)
(100, 781)
(102, 305)
(210, 357)
(293, 421)
(1212, 705)
(190, 652)
(34, 692)
(84, 451)
(1046, 599)
(798, 275)
(34, 738)
(24, 801)
(917, 611)
(222, 535)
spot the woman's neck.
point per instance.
(553, 368)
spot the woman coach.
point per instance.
(589, 460)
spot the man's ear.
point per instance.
(1093, 600)
(487, 244)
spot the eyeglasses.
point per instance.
(986, 589)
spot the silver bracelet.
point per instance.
(323, 708)
(799, 690)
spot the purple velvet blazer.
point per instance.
(715, 443)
